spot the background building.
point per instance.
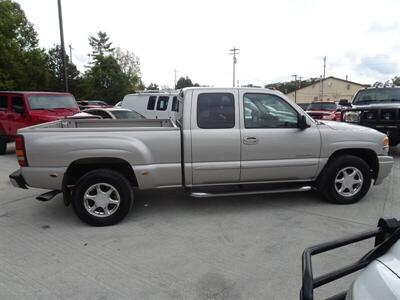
(329, 89)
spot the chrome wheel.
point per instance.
(101, 200)
(348, 181)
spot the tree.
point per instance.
(152, 87)
(185, 82)
(130, 65)
(55, 67)
(396, 81)
(100, 45)
(22, 62)
(290, 86)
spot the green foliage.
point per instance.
(22, 63)
(185, 82)
(55, 67)
(111, 74)
(100, 45)
(152, 87)
(290, 86)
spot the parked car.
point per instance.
(85, 104)
(119, 104)
(324, 111)
(379, 280)
(217, 142)
(115, 113)
(22, 109)
(377, 108)
(303, 105)
(154, 105)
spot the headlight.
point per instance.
(352, 116)
(328, 117)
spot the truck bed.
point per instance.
(103, 125)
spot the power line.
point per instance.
(234, 51)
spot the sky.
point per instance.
(277, 39)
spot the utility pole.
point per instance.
(295, 84)
(70, 53)
(234, 51)
(62, 45)
(174, 79)
(322, 81)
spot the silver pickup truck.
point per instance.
(229, 141)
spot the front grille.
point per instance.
(380, 116)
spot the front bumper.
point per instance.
(18, 180)
(385, 166)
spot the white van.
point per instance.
(154, 105)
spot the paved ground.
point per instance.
(175, 247)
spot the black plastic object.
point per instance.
(387, 233)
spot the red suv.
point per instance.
(328, 111)
(22, 109)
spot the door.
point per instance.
(273, 147)
(215, 137)
(18, 116)
(161, 108)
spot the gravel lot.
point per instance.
(172, 246)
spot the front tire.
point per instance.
(346, 180)
(102, 197)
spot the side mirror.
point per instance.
(302, 122)
(344, 102)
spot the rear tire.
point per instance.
(102, 197)
(346, 180)
(3, 146)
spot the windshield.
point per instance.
(379, 95)
(322, 106)
(126, 114)
(51, 101)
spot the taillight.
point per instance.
(20, 151)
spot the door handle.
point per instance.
(250, 140)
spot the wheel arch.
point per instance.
(82, 166)
(368, 155)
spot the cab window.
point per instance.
(3, 102)
(162, 103)
(17, 104)
(175, 104)
(268, 111)
(152, 103)
(216, 110)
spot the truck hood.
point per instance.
(392, 259)
(52, 115)
(347, 126)
(377, 105)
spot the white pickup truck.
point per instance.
(228, 141)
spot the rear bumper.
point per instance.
(385, 166)
(18, 180)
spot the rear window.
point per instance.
(162, 103)
(3, 102)
(175, 104)
(37, 102)
(216, 110)
(322, 106)
(152, 103)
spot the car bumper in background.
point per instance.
(385, 166)
(18, 180)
